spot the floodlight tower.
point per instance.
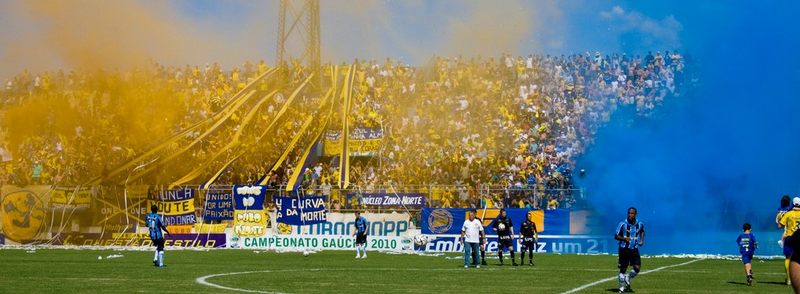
(302, 31)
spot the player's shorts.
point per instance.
(629, 256)
(747, 258)
(788, 246)
(361, 238)
(504, 242)
(528, 243)
(159, 243)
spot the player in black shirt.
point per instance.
(483, 247)
(505, 232)
(530, 237)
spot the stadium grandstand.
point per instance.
(506, 127)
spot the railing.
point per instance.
(434, 195)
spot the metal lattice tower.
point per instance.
(303, 31)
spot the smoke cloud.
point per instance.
(718, 157)
(83, 34)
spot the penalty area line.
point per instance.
(642, 273)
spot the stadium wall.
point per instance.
(113, 216)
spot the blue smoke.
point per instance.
(719, 156)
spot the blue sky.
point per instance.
(234, 31)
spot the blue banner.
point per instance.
(450, 220)
(557, 221)
(562, 244)
(301, 210)
(249, 197)
(219, 205)
(389, 199)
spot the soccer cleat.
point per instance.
(364, 257)
(749, 280)
(466, 266)
(530, 263)
(621, 289)
(483, 262)
(628, 285)
(515, 264)
(478, 266)
(155, 262)
(628, 288)
(358, 256)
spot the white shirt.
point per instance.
(472, 230)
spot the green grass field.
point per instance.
(80, 271)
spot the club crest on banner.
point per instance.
(23, 215)
(440, 221)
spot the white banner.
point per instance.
(318, 242)
(343, 224)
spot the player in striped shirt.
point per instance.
(154, 225)
(630, 234)
(361, 235)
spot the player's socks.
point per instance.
(155, 256)
(522, 258)
(500, 254)
(364, 249)
(358, 251)
(161, 258)
(483, 257)
(621, 283)
(632, 274)
(786, 266)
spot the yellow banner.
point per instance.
(182, 229)
(173, 207)
(332, 147)
(355, 147)
(71, 196)
(22, 210)
(363, 146)
(250, 223)
(201, 228)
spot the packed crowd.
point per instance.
(509, 128)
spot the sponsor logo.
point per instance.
(440, 220)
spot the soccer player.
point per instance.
(471, 238)
(789, 222)
(747, 246)
(154, 224)
(794, 265)
(630, 234)
(483, 241)
(361, 235)
(505, 232)
(530, 237)
(786, 205)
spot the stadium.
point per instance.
(299, 146)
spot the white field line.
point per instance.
(642, 273)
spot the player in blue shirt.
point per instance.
(630, 234)
(747, 246)
(154, 224)
(361, 235)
